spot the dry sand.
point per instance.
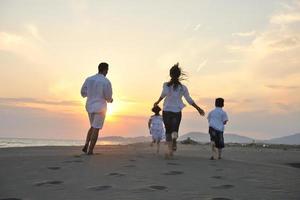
(135, 172)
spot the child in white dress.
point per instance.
(156, 127)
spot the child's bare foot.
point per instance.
(85, 149)
(168, 156)
(174, 145)
(90, 153)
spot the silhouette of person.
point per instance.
(172, 92)
(98, 90)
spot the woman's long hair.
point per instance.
(176, 75)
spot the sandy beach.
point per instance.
(135, 172)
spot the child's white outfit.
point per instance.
(216, 119)
(157, 129)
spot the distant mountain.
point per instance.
(196, 136)
(204, 137)
(124, 140)
(291, 139)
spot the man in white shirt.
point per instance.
(98, 91)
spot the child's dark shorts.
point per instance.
(217, 137)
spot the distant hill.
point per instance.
(291, 139)
(125, 140)
(204, 137)
(196, 136)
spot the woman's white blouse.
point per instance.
(173, 97)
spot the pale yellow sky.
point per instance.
(245, 53)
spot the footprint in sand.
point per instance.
(223, 187)
(158, 187)
(10, 199)
(54, 168)
(217, 177)
(296, 165)
(132, 160)
(116, 174)
(129, 166)
(173, 164)
(73, 161)
(220, 198)
(100, 187)
(49, 182)
(253, 180)
(173, 173)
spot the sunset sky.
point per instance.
(247, 52)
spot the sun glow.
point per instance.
(110, 109)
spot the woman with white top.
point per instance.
(172, 93)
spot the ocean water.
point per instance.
(28, 142)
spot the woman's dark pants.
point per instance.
(172, 121)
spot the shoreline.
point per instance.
(108, 143)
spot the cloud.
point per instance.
(9, 40)
(239, 48)
(197, 27)
(79, 6)
(274, 52)
(244, 34)
(13, 101)
(282, 87)
(128, 100)
(284, 106)
(29, 122)
(290, 14)
(285, 18)
(34, 32)
(27, 43)
(201, 65)
(230, 61)
(284, 43)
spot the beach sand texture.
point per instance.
(135, 172)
